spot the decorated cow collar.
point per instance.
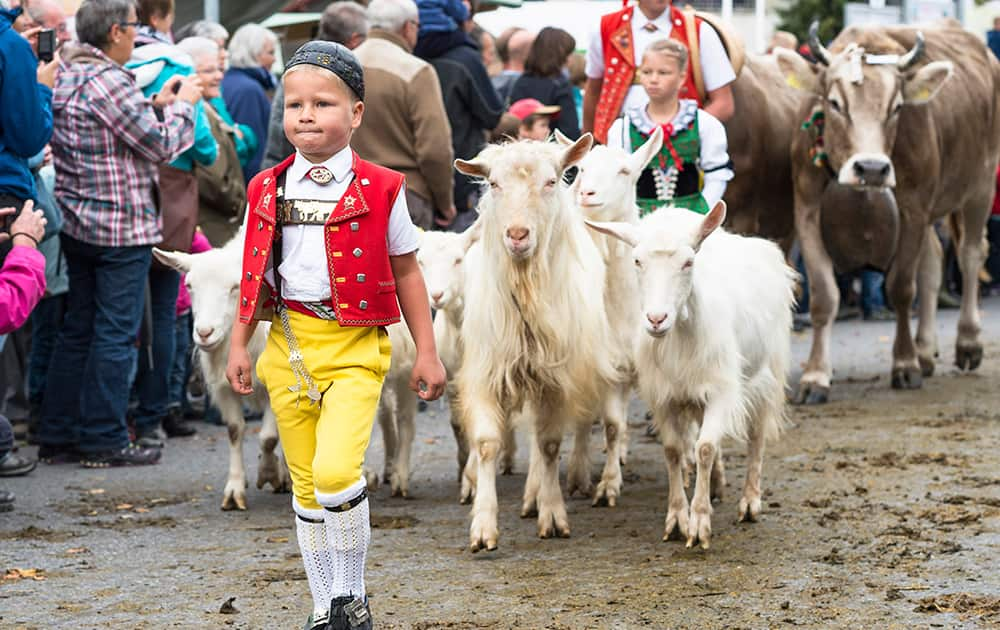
(817, 152)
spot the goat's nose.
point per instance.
(205, 333)
(437, 296)
(517, 233)
(872, 171)
(656, 318)
(588, 192)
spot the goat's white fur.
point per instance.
(715, 352)
(213, 280)
(535, 332)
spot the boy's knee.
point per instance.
(333, 479)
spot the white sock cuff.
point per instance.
(339, 498)
(304, 512)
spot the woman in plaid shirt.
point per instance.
(107, 142)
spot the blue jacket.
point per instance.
(245, 93)
(153, 65)
(25, 110)
(441, 15)
(993, 41)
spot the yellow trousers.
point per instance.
(325, 443)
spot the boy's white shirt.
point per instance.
(714, 149)
(305, 274)
(715, 66)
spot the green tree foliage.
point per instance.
(797, 17)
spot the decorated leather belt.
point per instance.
(305, 211)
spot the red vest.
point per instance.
(362, 287)
(620, 64)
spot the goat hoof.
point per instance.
(926, 366)
(529, 511)
(968, 357)
(907, 377)
(812, 394)
(749, 509)
(607, 494)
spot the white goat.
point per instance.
(604, 190)
(716, 308)
(535, 332)
(213, 280)
(397, 407)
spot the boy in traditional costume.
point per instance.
(329, 248)
(692, 168)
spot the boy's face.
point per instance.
(320, 114)
(537, 130)
(660, 75)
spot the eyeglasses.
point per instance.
(128, 24)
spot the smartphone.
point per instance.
(46, 44)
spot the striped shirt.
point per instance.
(107, 142)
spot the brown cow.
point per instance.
(913, 113)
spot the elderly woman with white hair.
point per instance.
(247, 84)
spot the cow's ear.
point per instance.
(796, 71)
(575, 152)
(924, 85)
(625, 232)
(473, 168)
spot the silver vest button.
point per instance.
(363, 305)
(244, 301)
(249, 276)
(355, 226)
(361, 277)
(254, 253)
(357, 252)
(260, 225)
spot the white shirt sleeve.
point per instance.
(714, 157)
(715, 65)
(595, 56)
(403, 237)
(618, 134)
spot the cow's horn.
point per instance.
(915, 53)
(819, 51)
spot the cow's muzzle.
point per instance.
(868, 170)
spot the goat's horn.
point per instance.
(914, 55)
(819, 51)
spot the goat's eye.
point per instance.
(551, 182)
(624, 171)
(494, 185)
(638, 263)
(458, 261)
(688, 263)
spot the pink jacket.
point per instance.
(22, 284)
(198, 245)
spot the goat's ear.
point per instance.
(712, 220)
(796, 71)
(472, 235)
(575, 152)
(561, 138)
(473, 168)
(625, 232)
(175, 260)
(641, 156)
(927, 82)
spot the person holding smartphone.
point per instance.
(25, 115)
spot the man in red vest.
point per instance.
(616, 48)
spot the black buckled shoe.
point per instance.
(58, 454)
(348, 613)
(131, 455)
(318, 621)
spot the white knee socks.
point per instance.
(348, 533)
(315, 555)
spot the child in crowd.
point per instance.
(535, 118)
(692, 168)
(329, 248)
(441, 27)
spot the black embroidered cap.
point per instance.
(336, 58)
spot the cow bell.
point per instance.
(860, 226)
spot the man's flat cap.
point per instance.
(336, 58)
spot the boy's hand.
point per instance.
(428, 377)
(238, 371)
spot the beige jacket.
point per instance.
(405, 126)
